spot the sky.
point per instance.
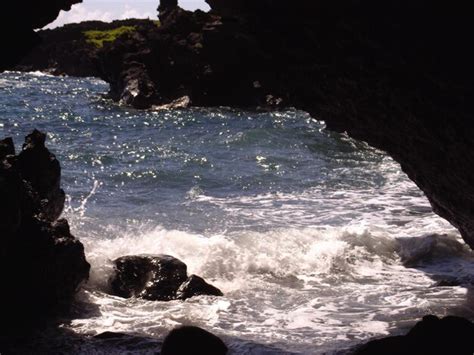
(108, 10)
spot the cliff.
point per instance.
(41, 265)
(73, 49)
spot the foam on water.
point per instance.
(296, 289)
(317, 241)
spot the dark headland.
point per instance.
(396, 74)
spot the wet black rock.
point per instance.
(157, 278)
(42, 170)
(431, 336)
(153, 277)
(195, 286)
(41, 263)
(190, 340)
(139, 90)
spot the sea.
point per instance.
(319, 242)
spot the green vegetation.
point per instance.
(97, 38)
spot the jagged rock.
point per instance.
(196, 286)
(139, 91)
(188, 340)
(167, 4)
(152, 277)
(182, 102)
(41, 263)
(450, 335)
(156, 278)
(42, 170)
(67, 50)
(165, 7)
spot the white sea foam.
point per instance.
(303, 287)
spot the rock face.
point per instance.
(157, 278)
(41, 263)
(68, 51)
(189, 340)
(450, 335)
(19, 19)
(41, 169)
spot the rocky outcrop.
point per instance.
(41, 264)
(188, 340)
(450, 335)
(157, 278)
(166, 7)
(68, 51)
(41, 169)
(19, 19)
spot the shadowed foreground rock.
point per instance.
(41, 263)
(189, 340)
(432, 336)
(157, 278)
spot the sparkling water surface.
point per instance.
(317, 241)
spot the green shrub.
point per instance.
(97, 38)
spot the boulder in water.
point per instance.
(152, 277)
(196, 286)
(157, 278)
(190, 340)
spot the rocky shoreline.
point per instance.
(42, 264)
(364, 68)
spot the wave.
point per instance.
(291, 254)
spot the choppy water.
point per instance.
(317, 241)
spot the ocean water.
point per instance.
(318, 242)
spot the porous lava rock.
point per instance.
(42, 265)
(156, 278)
